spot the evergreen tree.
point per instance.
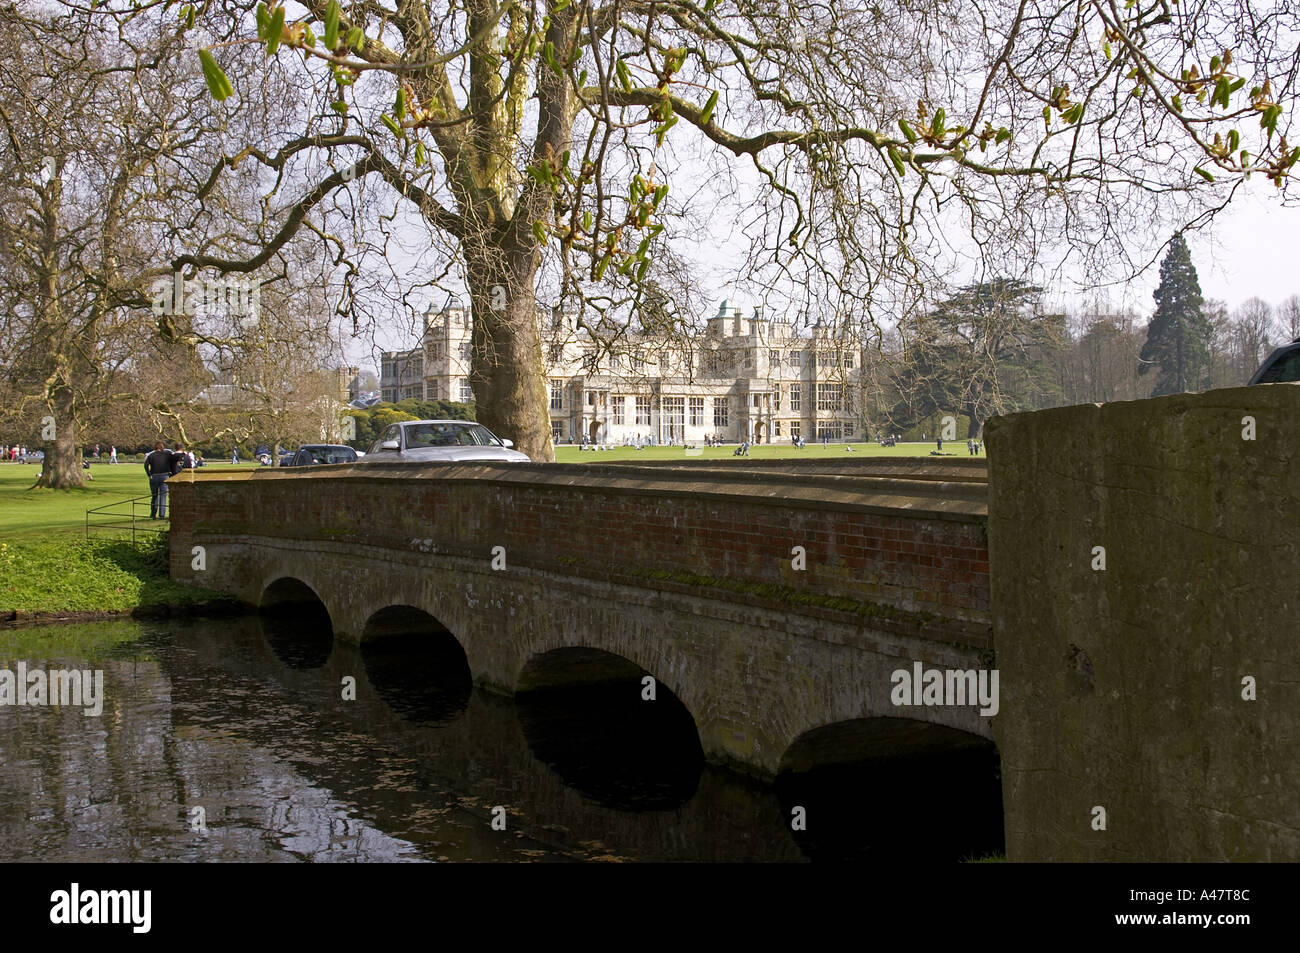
(1177, 338)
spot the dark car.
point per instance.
(314, 454)
(1280, 367)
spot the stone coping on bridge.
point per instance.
(949, 490)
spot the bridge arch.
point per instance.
(609, 728)
(882, 787)
(415, 664)
(296, 622)
(288, 590)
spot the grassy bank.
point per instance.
(49, 568)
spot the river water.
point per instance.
(230, 739)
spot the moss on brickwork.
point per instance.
(786, 595)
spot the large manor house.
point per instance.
(755, 379)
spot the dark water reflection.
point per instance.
(245, 719)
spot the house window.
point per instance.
(591, 398)
(776, 397)
(620, 405)
(795, 398)
(828, 397)
(673, 416)
(774, 358)
(555, 354)
(638, 362)
(466, 351)
(776, 428)
(435, 352)
(758, 400)
(848, 361)
(557, 395)
(796, 358)
(697, 411)
(794, 428)
(643, 411)
(466, 392)
(720, 408)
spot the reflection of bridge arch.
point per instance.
(917, 789)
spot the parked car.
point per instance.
(1280, 367)
(312, 454)
(454, 441)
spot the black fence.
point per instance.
(125, 518)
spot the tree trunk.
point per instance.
(973, 427)
(508, 376)
(61, 468)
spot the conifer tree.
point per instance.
(1177, 338)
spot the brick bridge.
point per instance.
(687, 570)
(1157, 687)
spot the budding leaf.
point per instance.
(332, 25)
(908, 131)
(1203, 174)
(897, 160)
(708, 108)
(218, 85)
(274, 30)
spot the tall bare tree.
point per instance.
(536, 140)
(1288, 314)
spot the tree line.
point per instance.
(992, 348)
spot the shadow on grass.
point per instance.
(148, 560)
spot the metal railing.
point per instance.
(125, 516)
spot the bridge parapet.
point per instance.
(901, 545)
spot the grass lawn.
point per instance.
(48, 566)
(774, 451)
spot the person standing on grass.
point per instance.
(112, 456)
(159, 466)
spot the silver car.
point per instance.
(450, 441)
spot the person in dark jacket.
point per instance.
(159, 465)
